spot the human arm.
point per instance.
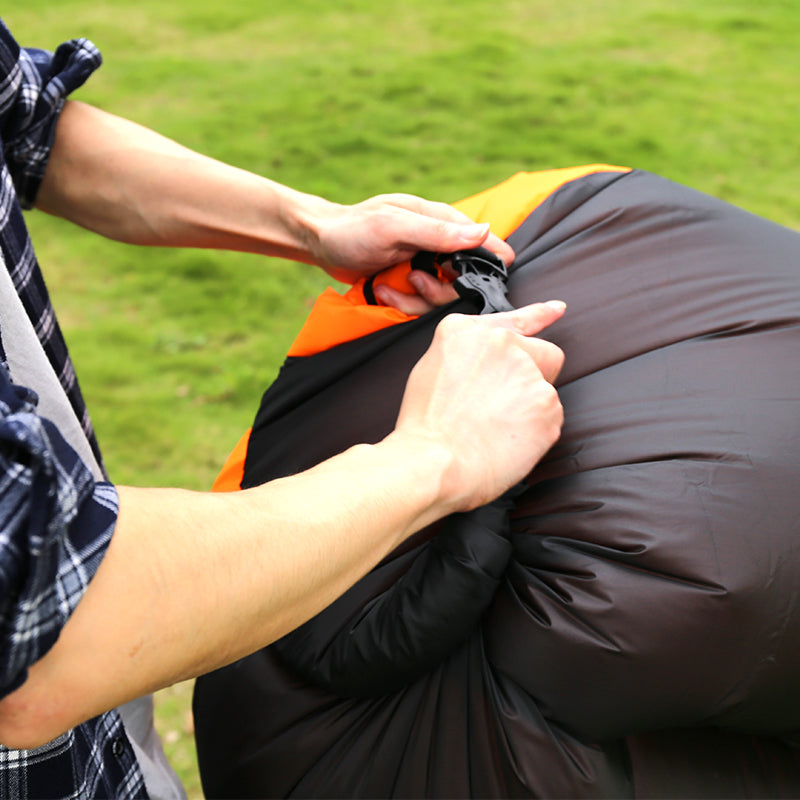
(129, 183)
(192, 581)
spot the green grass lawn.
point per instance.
(353, 98)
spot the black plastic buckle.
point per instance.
(482, 275)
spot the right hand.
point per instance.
(484, 391)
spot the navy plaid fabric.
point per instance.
(33, 87)
(55, 520)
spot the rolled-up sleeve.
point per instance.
(35, 84)
(55, 525)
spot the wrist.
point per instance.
(433, 469)
(304, 216)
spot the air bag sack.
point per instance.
(624, 625)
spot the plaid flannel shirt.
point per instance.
(55, 519)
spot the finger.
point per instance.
(473, 231)
(436, 292)
(411, 304)
(447, 229)
(429, 208)
(527, 320)
(501, 330)
(415, 232)
(451, 237)
(481, 236)
(431, 294)
(500, 248)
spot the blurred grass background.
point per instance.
(353, 98)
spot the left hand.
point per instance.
(483, 391)
(359, 240)
(133, 185)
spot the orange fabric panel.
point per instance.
(337, 318)
(231, 474)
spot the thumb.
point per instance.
(528, 320)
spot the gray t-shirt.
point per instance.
(30, 367)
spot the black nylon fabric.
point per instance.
(634, 630)
(414, 624)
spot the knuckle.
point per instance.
(454, 325)
(501, 338)
(548, 401)
(382, 199)
(441, 229)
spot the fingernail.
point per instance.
(558, 305)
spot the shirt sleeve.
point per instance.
(34, 85)
(55, 526)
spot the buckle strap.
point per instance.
(482, 275)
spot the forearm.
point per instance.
(193, 581)
(129, 183)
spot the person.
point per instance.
(107, 592)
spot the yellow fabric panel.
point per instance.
(506, 206)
